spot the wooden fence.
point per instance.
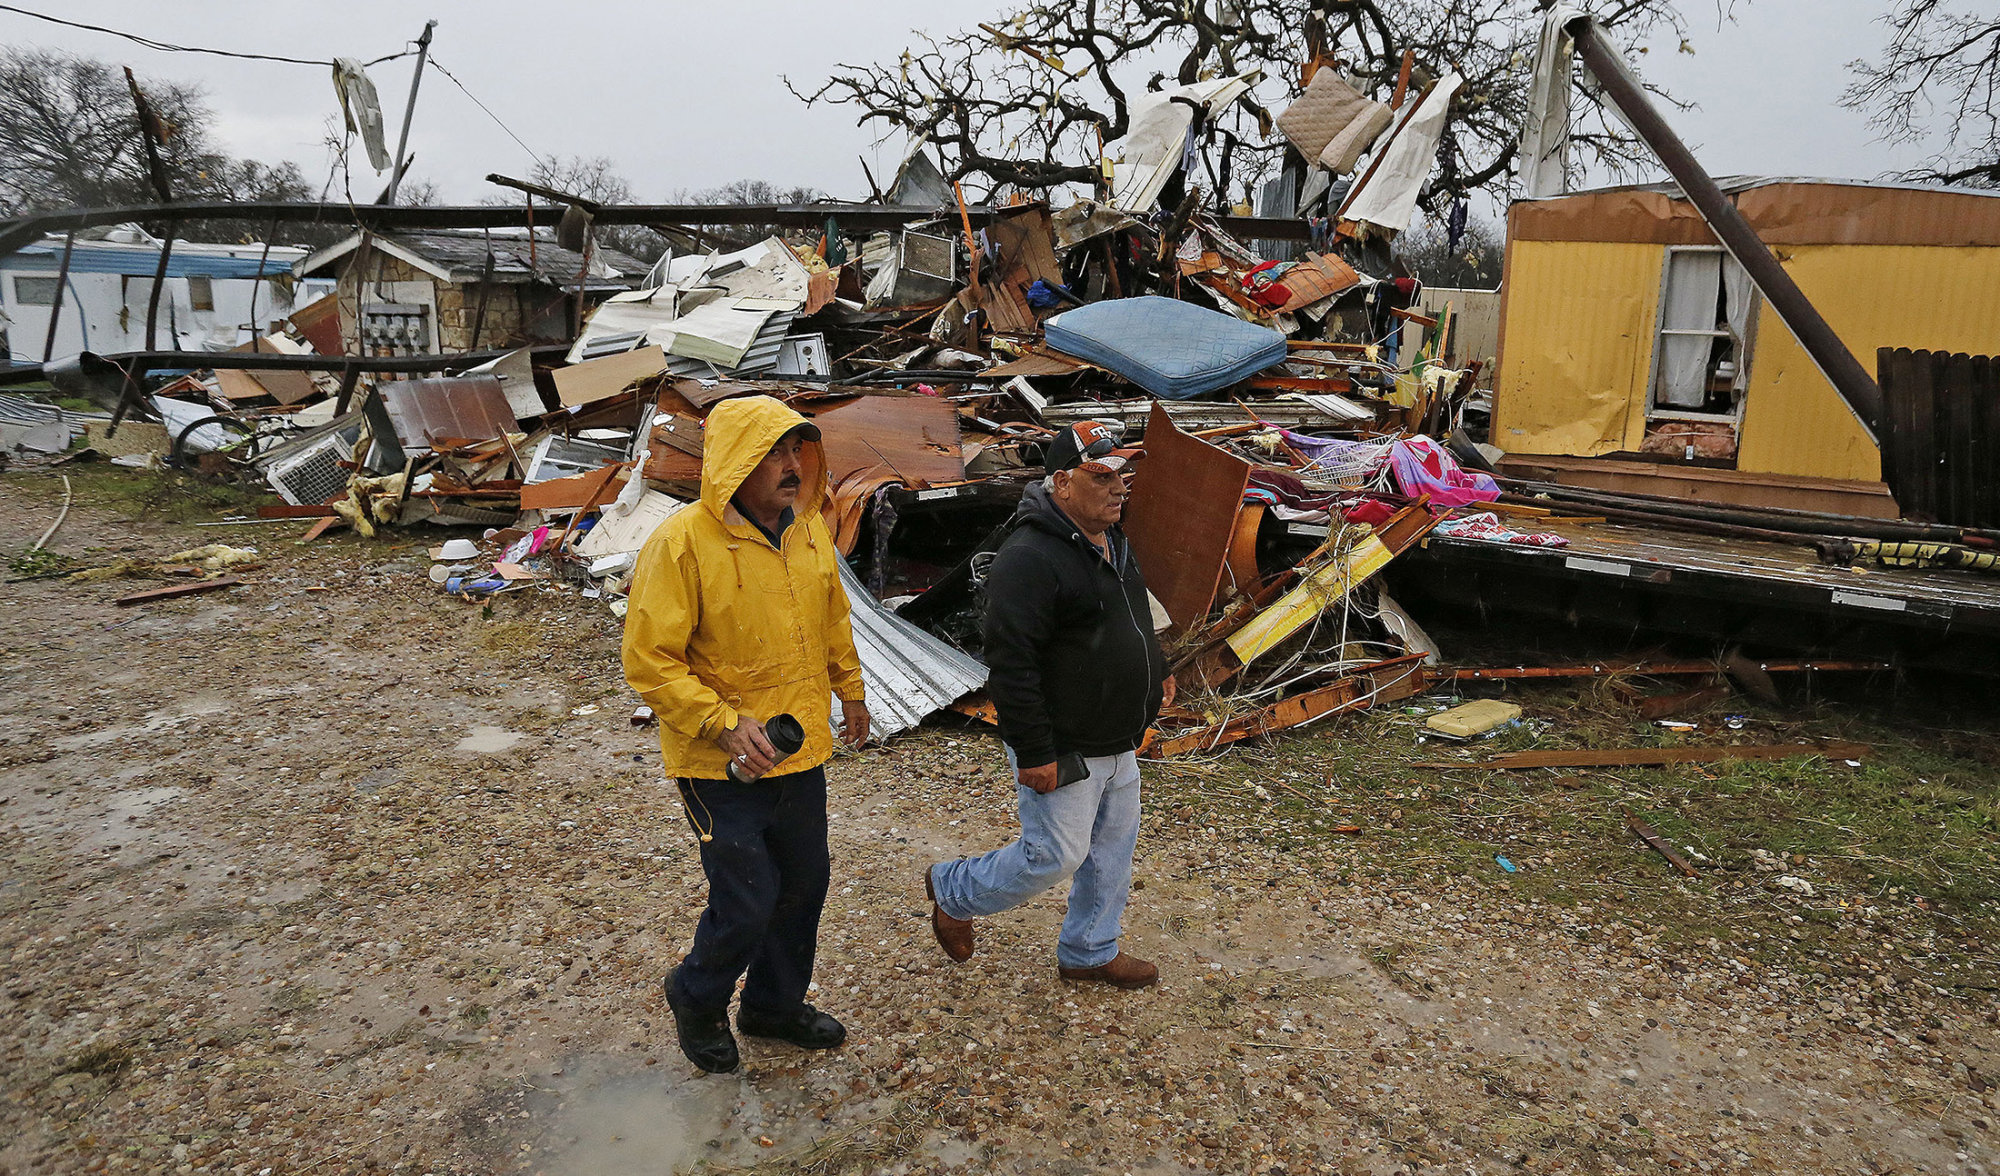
(1941, 434)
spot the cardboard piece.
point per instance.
(1474, 718)
(600, 379)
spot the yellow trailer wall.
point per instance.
(1576, 340)
(1925, 297)
(1577, 346)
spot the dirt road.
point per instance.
(330, 873)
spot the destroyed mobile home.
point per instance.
(1311, 437)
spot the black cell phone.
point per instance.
(1070, 768)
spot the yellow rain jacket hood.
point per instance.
(721, 623)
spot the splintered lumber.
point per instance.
(1652, 837)
(1640, 757)
(1383, 681)
(1317, 591)
(173, 591)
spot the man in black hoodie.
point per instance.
(1077, 676)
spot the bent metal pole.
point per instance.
(1835, 361)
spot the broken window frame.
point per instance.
(24, 282)
(1742, 348)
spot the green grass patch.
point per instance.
(169, 496)
(1913, 832)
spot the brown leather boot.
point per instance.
(1123, 971)
(953, 935)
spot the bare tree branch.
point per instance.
(1938, 77)
(1023, 99)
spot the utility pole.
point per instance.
(358, 265)
(409, 109)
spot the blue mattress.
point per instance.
(1171, 348)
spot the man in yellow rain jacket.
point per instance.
(737, 616)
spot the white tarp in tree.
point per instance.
(1545, 136)
(1402, 163)
(1151, 150)
(361, 108)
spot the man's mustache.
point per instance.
(790, 480)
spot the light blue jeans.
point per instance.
(1087, 830)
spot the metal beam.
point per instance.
(264, 361)
(26, 230)
(1835, 361)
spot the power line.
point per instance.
(169, 47)
(535, 155)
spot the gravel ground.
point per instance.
(330, 873)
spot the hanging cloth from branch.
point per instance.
(1545, 135)
(361, 108)
(1388, 194)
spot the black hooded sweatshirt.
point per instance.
(1074, 664)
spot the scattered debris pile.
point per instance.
(1305, 426)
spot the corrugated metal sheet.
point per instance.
(29, 411)
(910, 674)
(1578, 346)
(1921, 297)
(89, 259)
(762, 356)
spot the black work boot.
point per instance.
(807, 1028)
(704, 1034)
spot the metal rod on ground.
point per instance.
(1855, 386)
(55, 310)
(63, 514)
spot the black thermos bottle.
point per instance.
(785, 734)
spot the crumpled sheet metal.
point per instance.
(909, 674)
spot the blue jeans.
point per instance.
(1087, 830)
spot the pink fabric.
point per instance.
(1487, 526)
(1422, 466)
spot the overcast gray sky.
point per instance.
(689, 95)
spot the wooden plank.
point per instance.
(578, 491)
(1923, 423)
(1639, 757)
(1182, 515)
(288, 511)
(173, 591)
(1957, 426)
(1651, 837)
(1697, 484)
(1744, 559)
(1986, 391)
(1892, 372)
